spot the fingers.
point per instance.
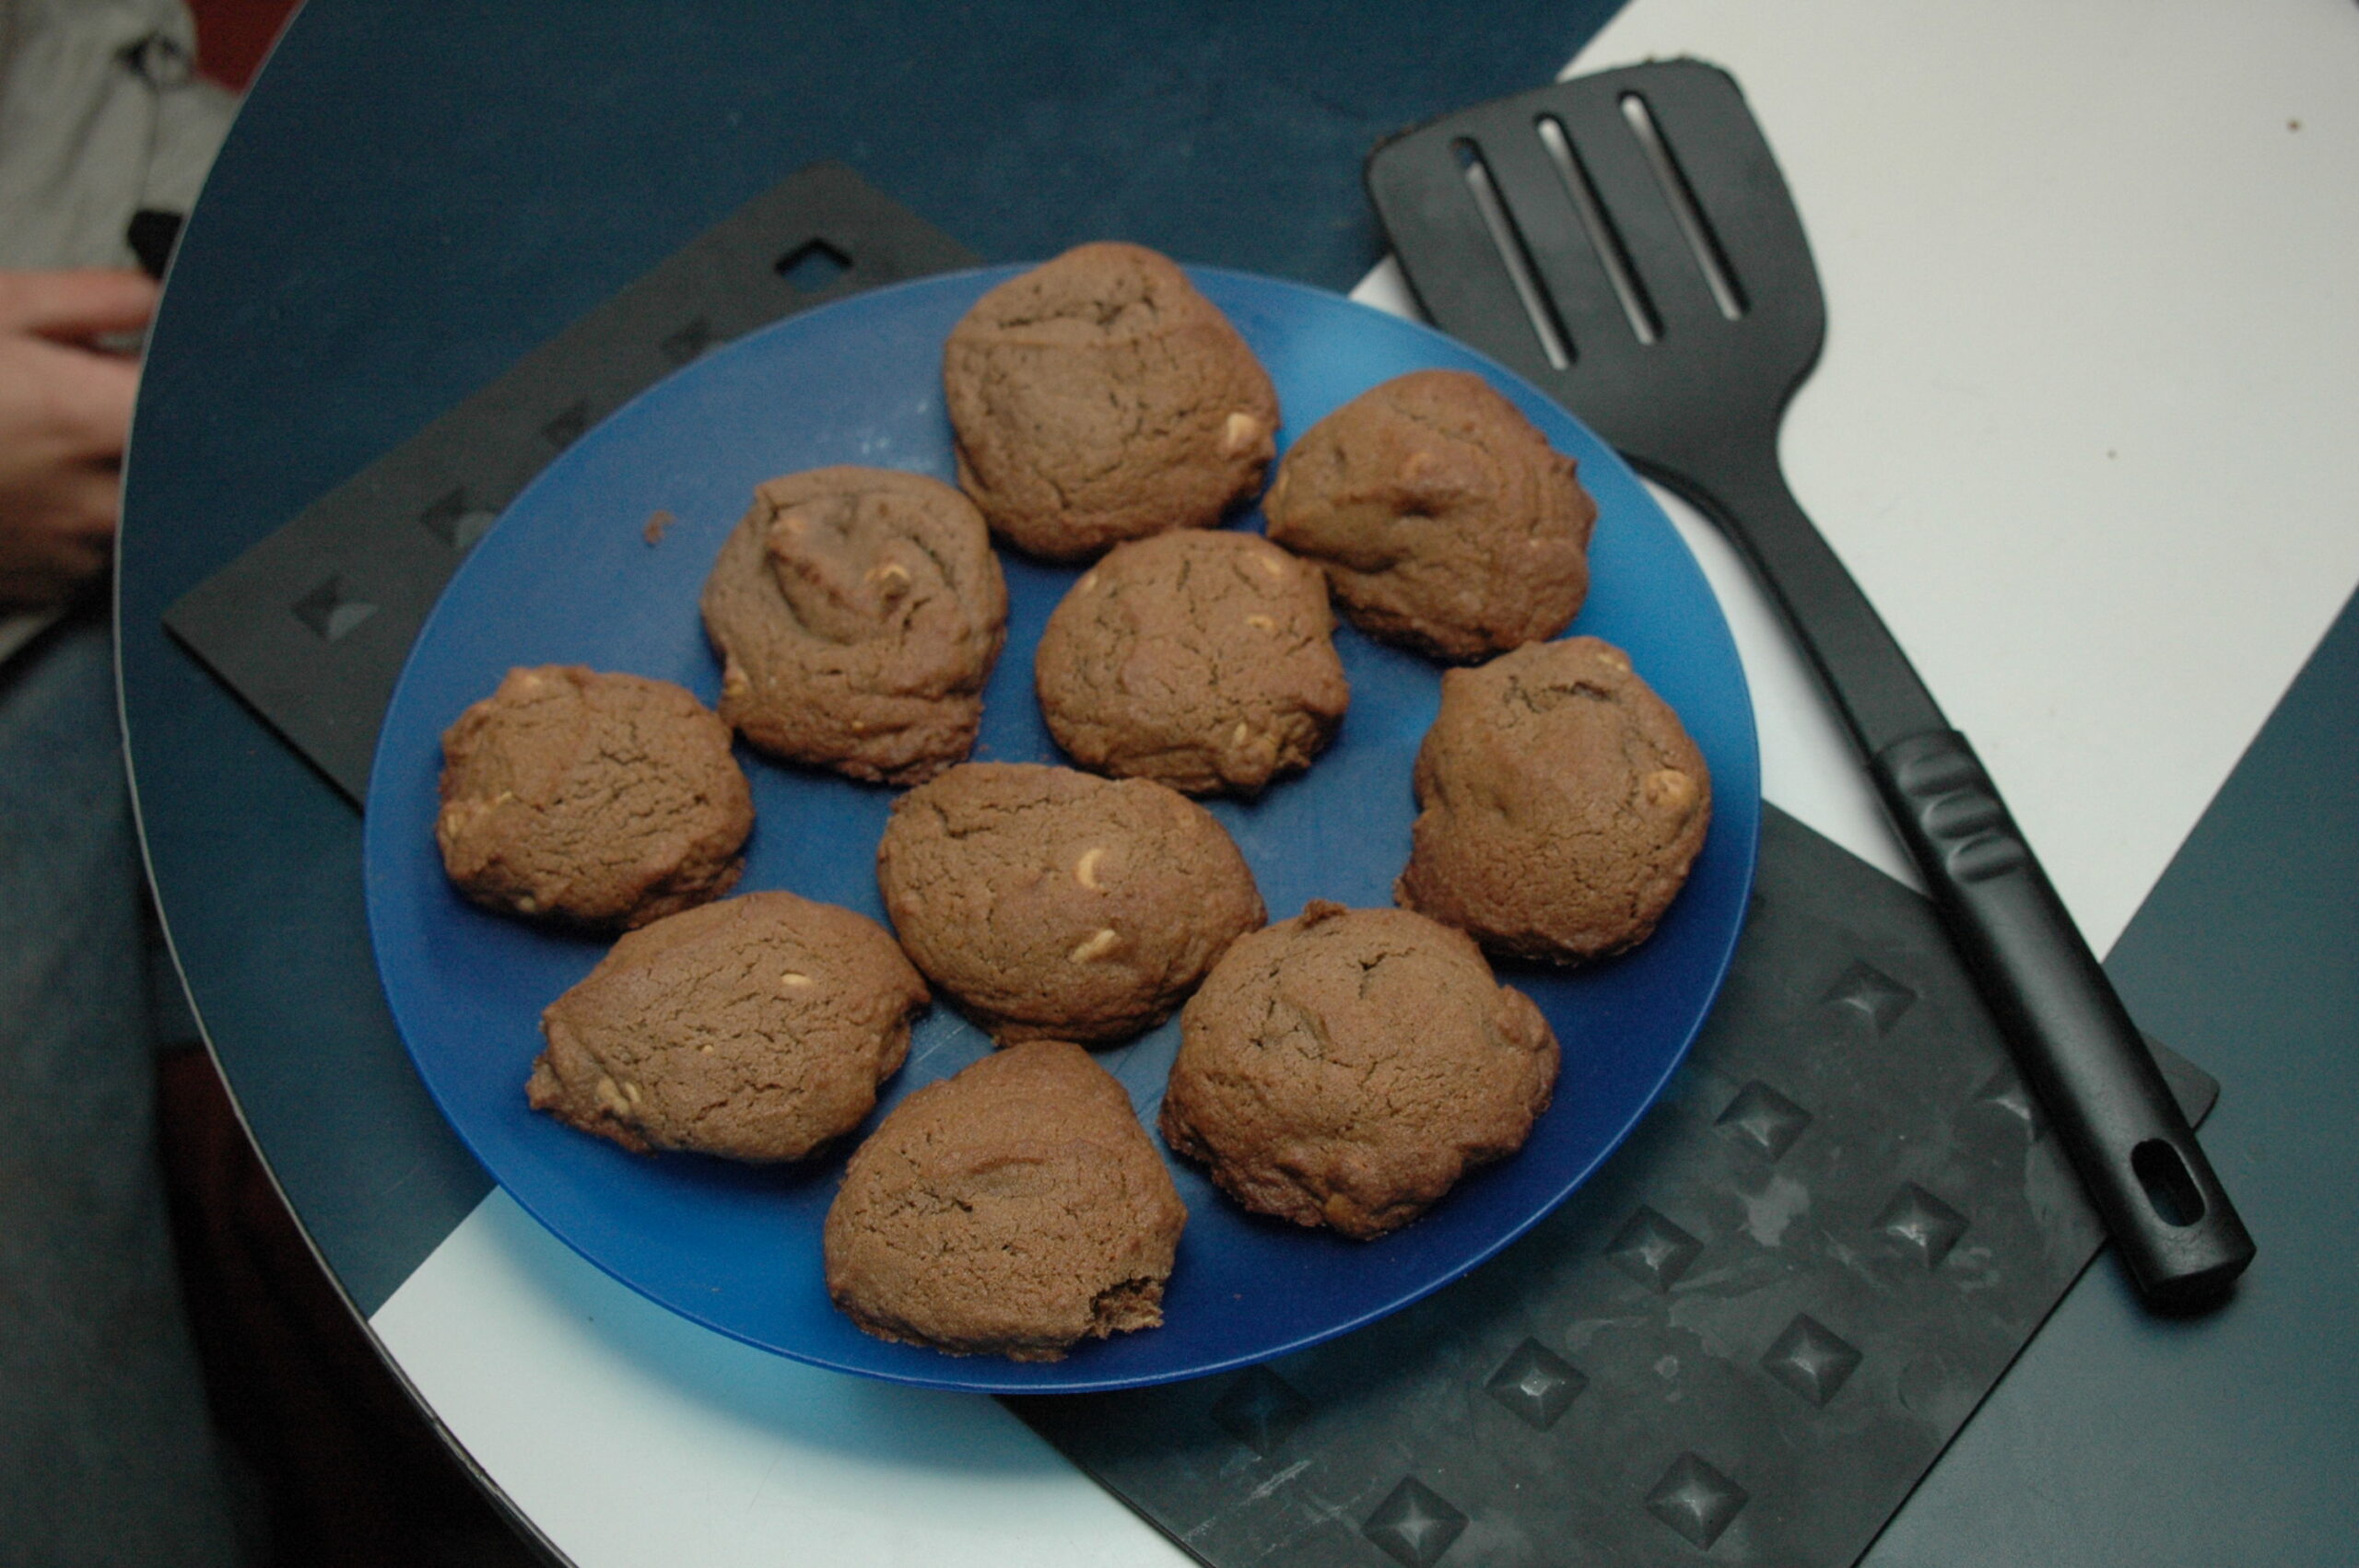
(56, 539)
(67, 403)
(95, 395)
(74, 307)
(64, 413)
(90, 497)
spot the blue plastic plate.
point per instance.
(569, 577)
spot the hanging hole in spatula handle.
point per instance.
(2073, 1038)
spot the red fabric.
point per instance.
(233, 35)
(351, 1475)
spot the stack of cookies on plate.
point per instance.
(1344, 1068)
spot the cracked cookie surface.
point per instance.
(1445, 521)
(1205, 660)
(1050, 903)
(1347, 1067)
(755, 1028)
(591, 798)
(1013, 1209)
(1561, 804)
(1099, 397)
(857, 613)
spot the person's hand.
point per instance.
(64, 413)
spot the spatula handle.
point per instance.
(2073, 1038)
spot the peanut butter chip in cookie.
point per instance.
(1097, 945)
(1670, 789)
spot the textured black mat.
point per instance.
(312, 626)
(1743, 1342)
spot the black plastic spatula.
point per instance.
(1625, 240)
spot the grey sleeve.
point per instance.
(102, 116)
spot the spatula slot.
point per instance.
(1508, 240)
(2170, 1187)
(1702, 243)
(1604, 238)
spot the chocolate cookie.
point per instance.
(1446, 521)
(1206, 660)
(857, 613)
(1051, 905)
(1346, 1067)
(1013, 1210)
(1100, 398)
(756, 1028)
(1563, 804)
(595, 800)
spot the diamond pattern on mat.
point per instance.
(689, 342)
(1810, 1358)
(454, 521)
(1414, 1525)
(1763, 1118)
(1260, 1410)
(1875, 995)
(1537, 1384)
(331, 610)
(1921, 1223)
(1697, 1500)
(567, 427)
(1653, 1251)
(812, 266)
(2006, 1091)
